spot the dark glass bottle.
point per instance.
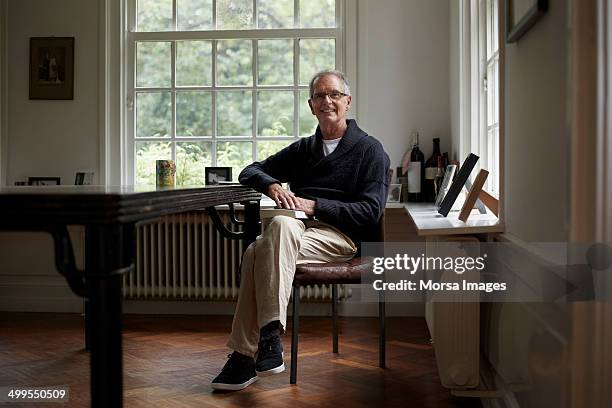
(431, 168)
(416, 171)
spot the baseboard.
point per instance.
(73, 304)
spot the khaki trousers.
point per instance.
(267, 271)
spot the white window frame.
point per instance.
(475, 84)
(345, 60)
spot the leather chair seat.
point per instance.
(333, 272)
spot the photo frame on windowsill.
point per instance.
(521, 15)
(52, 68)
(216, 175)
(44, 181)
(457, 185)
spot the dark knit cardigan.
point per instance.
(349, 185)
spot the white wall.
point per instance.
(46, 138)
(403, 67)
(537, 130)
(52, 138)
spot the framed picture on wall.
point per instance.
(521, 15)
(52, 68)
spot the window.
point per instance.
(489, 74)
(480, 50)
(222, 82)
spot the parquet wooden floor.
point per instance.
(169, 361)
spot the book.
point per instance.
(273, 212)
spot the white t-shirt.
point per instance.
(330, 145)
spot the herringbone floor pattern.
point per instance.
(169, 361)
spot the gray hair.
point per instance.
(326, 72)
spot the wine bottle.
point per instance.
(439, 176)
(415, 171)
(431, 169)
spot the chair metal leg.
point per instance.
(335, 317)
(294, 334)
(382, 340)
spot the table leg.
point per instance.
(103, 267)
(252, 227)
(87, 315)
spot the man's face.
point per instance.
(326, 108)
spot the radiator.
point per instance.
(184, 257)
(455, 331)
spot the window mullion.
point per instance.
(214, 101)
(296, 84)
(254, 114)
(214, 14)
(173, 95)
(174, 16)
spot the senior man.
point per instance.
(338, 176)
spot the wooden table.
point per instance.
(110, 215)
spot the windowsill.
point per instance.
(428, 222)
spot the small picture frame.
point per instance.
(395, 193)
(448, 177)
(457, 184)
(215, 175)
(44, 181)
(52, 68)
(84, 178)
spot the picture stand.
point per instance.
(490, 202)
(468, 205)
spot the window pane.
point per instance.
(153, 114)
(153, 64)
(146, 155)
(236, 155)
(193, 114)
(234, 62)
(488, 29)
(308, 121)
(234, 14)
(154, 15)
(268, 148)
(194, 15)
(234, 113)
(317, 13)
(495, 27)
(191, 158)
(193, 63)
(315, 56)
(496, 93)
(275, 113)
(275, 14)
(275, 62)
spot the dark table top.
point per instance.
(103, 204)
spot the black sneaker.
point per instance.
(237, 374)
(269, 357)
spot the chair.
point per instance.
(334, 273)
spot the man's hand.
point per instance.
(286, 199)
(308, 206)
(283, 198)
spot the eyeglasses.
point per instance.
(333, 95)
